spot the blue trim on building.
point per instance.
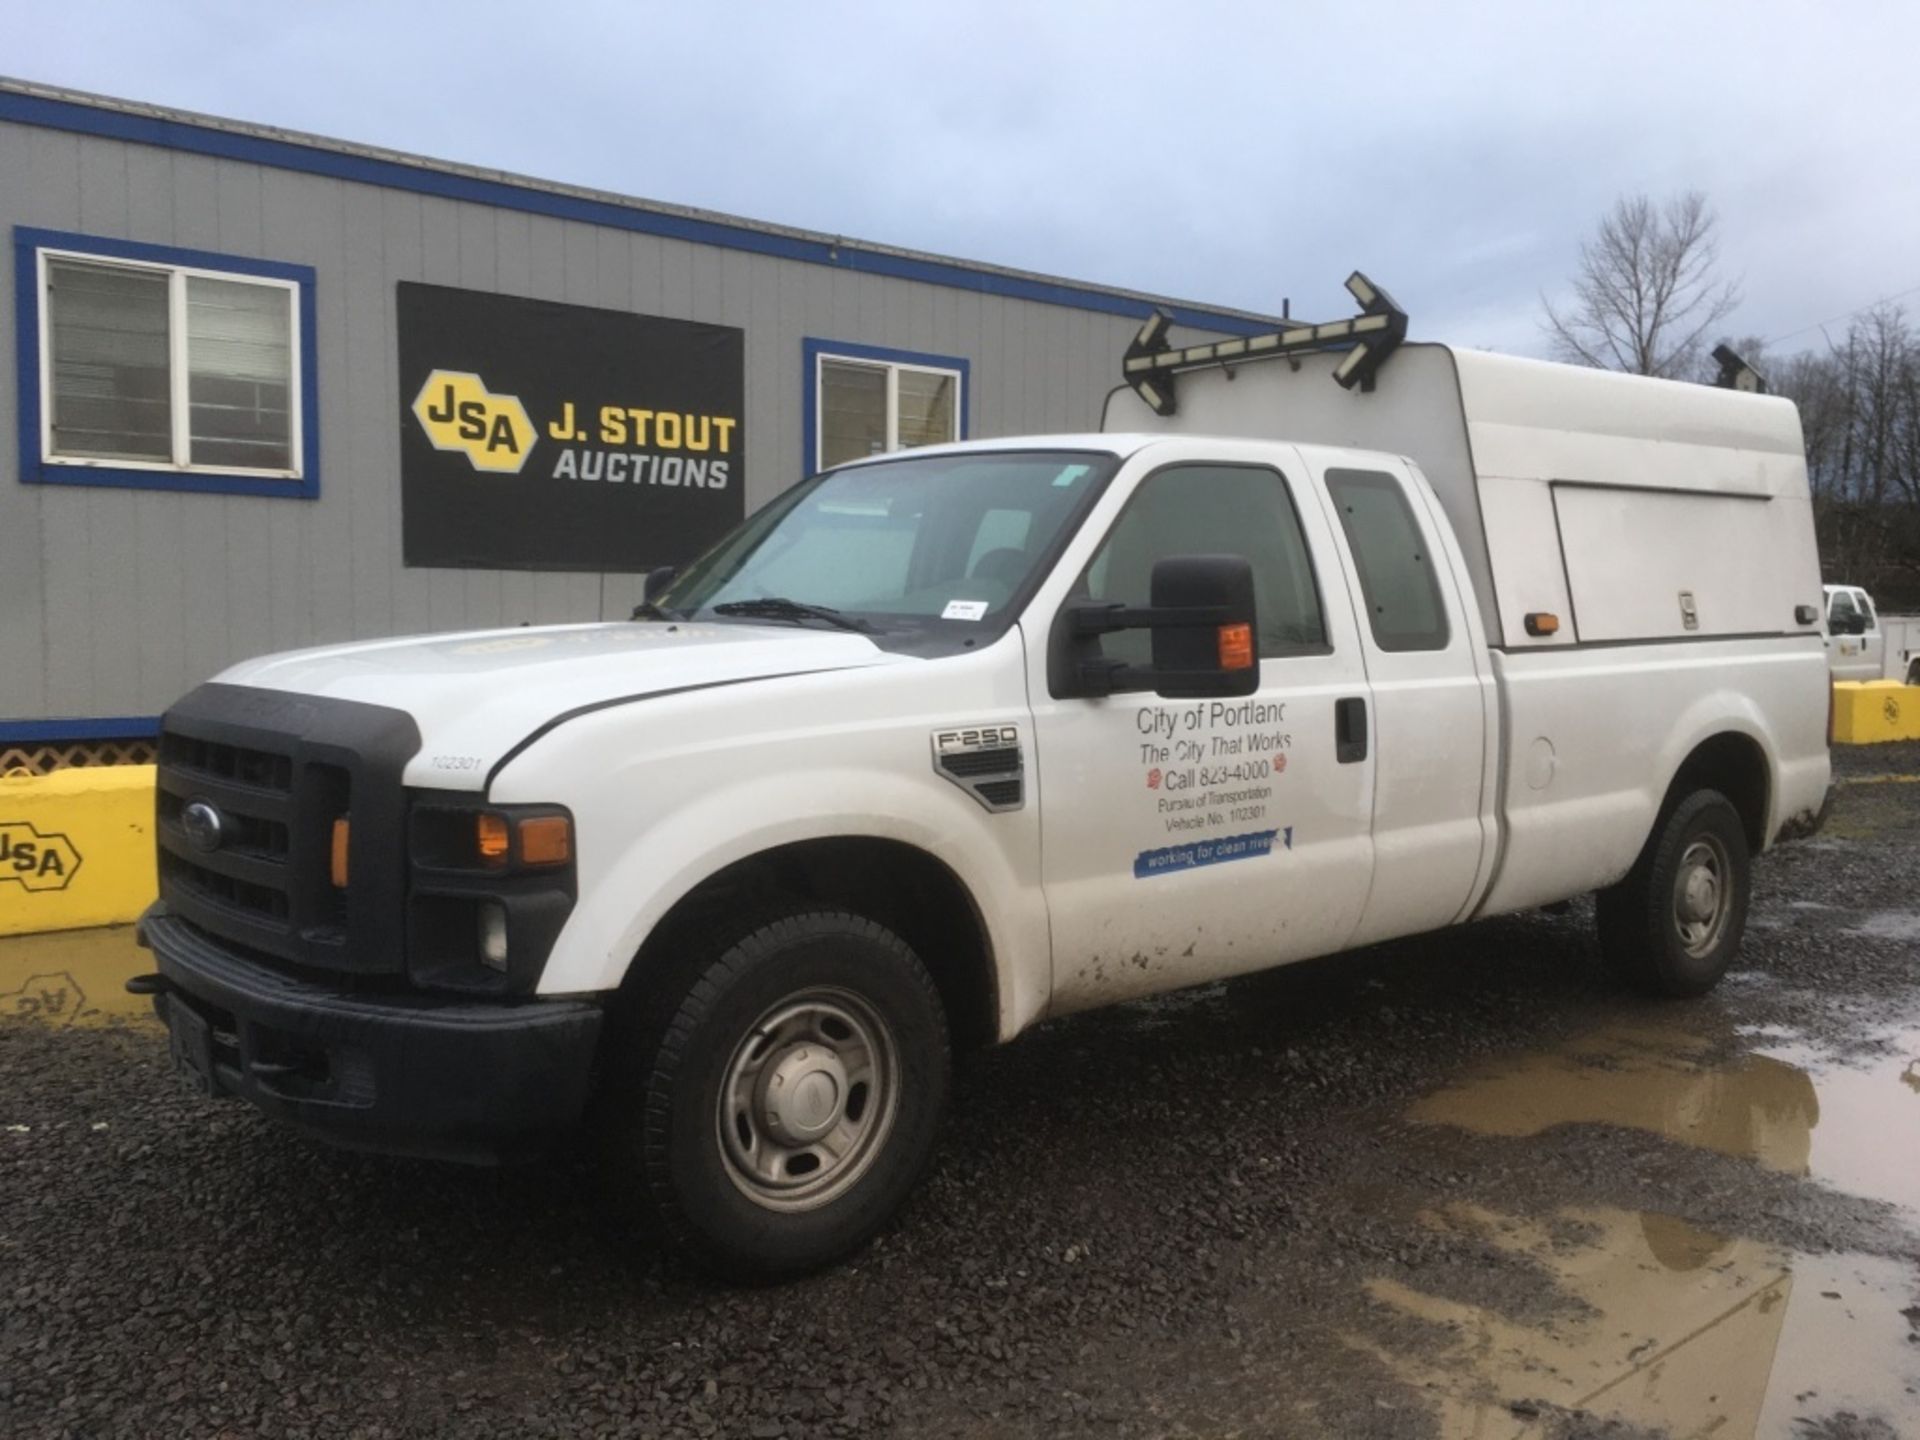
(170, 134)
(811, 350)
(109, 727)
(34, 470)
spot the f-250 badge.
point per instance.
(985, 761)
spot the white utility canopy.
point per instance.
(1632, 509)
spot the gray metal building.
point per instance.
(205, 401)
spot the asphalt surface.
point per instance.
(1460, 1185)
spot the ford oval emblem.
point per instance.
(204, 826)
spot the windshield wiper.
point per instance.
(778, 607)
(651, 610)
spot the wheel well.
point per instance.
(904, 888)
(1736, 766)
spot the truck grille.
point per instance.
(247, 873)
(250, 784)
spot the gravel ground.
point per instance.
(1153, 1220)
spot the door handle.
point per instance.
(1350, 729)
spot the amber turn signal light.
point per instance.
(490, 833)
(1539, 622)
(337, 854)
(1236, 647)
(546, 840)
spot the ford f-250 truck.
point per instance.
(1325, 640)
(1863, 644)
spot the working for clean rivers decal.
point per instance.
(1196, 853)
(542, 436)
(1208, 772)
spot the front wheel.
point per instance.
(790, 1103)
(1671, 928)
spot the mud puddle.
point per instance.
(1673, 1329)
(74, 978)
(1890, 925)
(1655, 1322)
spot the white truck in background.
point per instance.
(1325, 640)
(1863, 644)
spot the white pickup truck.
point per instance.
(943, 743)
(1863, 644)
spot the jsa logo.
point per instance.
(39, 862)
(458, 412)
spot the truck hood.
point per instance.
(478, 694)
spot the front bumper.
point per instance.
(447, 1077)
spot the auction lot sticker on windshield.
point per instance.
(964, 610)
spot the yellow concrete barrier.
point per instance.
(1870, 712)
(76, 848)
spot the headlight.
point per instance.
(489, 888)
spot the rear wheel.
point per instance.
(1673, 925)
(790, 1100)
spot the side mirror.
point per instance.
(650, 591)
(1203, 625)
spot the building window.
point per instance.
(166, 368)
(862, 400)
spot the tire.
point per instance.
(786, 1105)
(1672, 927)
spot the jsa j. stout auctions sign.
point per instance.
(540, 436)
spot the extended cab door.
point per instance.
(1187, 839)
(1434, 702)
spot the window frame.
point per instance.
(944, 637)
(815, 353)
(1397, 486)
(1079, 588)
(34, 248)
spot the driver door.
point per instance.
(1184, 840)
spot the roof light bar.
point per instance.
(1351, 362)
(1150, 364)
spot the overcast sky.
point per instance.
(1226, 153)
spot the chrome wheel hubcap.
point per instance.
(1700, 895)
(810, 1096)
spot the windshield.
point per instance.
(942, 544)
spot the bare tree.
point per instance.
(1646, 296)
(1859, 403)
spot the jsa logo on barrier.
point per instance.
(459, 413)
(39, 862)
